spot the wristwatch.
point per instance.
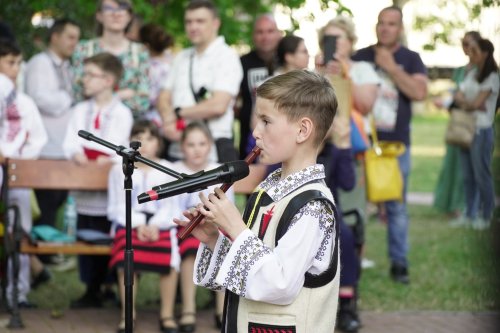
(177, 112)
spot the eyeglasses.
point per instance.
(93, 75)
(110, 9)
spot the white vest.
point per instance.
(314, 309)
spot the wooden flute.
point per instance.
(193, 223)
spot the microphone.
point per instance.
(226, 173)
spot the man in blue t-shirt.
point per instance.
(404, 79)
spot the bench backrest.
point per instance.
(56, 174)
(62, 174)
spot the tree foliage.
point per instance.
(237, 16)
(445, 21)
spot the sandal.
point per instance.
(187, 327)
(168, 329)
(121, 326)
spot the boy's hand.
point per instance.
(207, 233)
(222, 212)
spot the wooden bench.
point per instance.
(57, 174)
(61, 174)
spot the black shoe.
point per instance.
(188, 327)
(88, 300)
(400, 274)
(22, 305)
(27, 305)
(41, 278)
(168, 329)
(348, 319)
(218, 321)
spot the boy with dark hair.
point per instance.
(279, 263)
(105, 116)
(21, 136)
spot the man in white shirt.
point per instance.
(48, 81)
(203, 84)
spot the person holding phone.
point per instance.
(337, 39)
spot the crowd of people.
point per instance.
(126, 85)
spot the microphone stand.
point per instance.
(129, 157)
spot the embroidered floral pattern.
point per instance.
(278, 188)
(321, 211)
(247, 255)
(204, 264)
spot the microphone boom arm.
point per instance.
(121, 150)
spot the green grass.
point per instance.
(450, 269)
(427, 135)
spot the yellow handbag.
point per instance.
(384, 181)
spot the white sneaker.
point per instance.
(461, 221)
(367, 263)
(480, 224)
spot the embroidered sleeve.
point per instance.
(323, 213)
(207, 263)
(249, 249)
(253, 270)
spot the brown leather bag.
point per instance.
(461, 128)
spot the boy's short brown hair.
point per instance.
(302, 93)
(108, 63)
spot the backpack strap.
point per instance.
(311, 281)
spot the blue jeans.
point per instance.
(397, 217)
(478, 181)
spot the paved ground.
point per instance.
(105, 321)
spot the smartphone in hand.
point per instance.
(329, 48)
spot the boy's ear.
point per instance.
(306, 127)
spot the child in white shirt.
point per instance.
(22, 135)
(105, 116)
